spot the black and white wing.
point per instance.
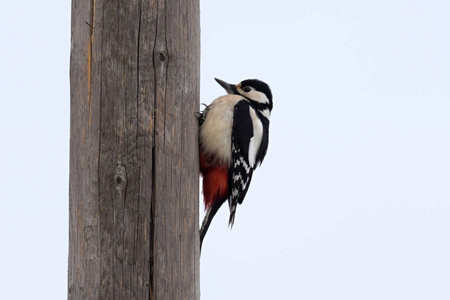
(241, 169)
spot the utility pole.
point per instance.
(134, 89)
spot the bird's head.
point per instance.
(254, 90)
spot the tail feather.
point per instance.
(210, 213)
(232, 214)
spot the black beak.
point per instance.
(230, 88)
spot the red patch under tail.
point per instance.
(215, 181)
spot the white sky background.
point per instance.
(353, 199)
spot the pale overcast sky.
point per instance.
(353, 199)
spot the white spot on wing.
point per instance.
(255, 141)
(251, 152)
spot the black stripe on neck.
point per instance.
(258, 105)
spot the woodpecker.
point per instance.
(233, 141)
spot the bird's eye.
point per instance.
(247, 89)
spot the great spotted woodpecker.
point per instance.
(234, 136)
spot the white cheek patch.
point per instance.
(257, 96)
(254, 95)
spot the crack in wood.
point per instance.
(89, 60)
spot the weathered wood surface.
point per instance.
(134, 74)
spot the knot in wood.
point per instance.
(162, 56)
(120, 177)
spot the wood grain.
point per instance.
(134, 78)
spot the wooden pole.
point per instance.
(134, 79)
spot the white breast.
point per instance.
(215, 132)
